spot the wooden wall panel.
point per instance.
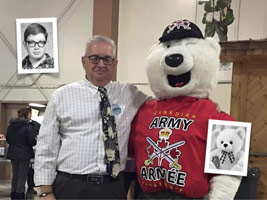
(5, 170)
(239, 91)
(3, 118)
(106, 20)
(249, 98)
(257, 114)
(257, 109)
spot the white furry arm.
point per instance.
(223, 187)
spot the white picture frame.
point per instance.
(227, 159)
(51, 46)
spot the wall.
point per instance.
(142, 23)
(252, 20)
(74, 28)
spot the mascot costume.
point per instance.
(169, 134)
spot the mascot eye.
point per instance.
(231, 142)
(221, 142)
(168, 45)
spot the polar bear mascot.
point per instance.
(169, 133)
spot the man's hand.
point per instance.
(47, 188)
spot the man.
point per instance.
(69, 159)
(35, 42)
(30, 180)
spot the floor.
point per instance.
(5, 187)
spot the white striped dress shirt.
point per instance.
(71, 136)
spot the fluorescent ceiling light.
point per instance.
(37, 105)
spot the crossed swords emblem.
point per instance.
(159, 151)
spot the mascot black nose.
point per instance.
(174, 60)
(225, 145)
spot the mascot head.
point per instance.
(184, 63)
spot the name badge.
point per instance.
(116, 109)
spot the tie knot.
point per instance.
(102, 94)
(102, 90)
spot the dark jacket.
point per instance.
(20, 137)
(36, 126)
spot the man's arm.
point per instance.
(139, 97)
(47, 147)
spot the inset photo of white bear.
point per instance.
(227, 147)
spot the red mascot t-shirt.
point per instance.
(168, 140)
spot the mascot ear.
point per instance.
(214, 44)
(152, 48)
(241, 133)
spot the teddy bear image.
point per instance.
(229, 154)
(169, 133)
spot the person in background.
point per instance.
(30, 179)
(70, 155)
(36, 125)
(20, 137)
(35, 42)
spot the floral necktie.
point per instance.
(112, 154)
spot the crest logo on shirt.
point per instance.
(163, 150)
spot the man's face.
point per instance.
(35, 46)
(99, 74)
(29, 115)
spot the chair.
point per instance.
(248, 186)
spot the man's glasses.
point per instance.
(33, 43)
(95, 59)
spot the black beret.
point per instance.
(180, 29)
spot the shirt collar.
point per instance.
(26, 63)
(185, 99)
(95, 88)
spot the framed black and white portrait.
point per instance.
(37, 49)
(227, 147)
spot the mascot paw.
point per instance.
(223, 187)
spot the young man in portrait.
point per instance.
(35, 43)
